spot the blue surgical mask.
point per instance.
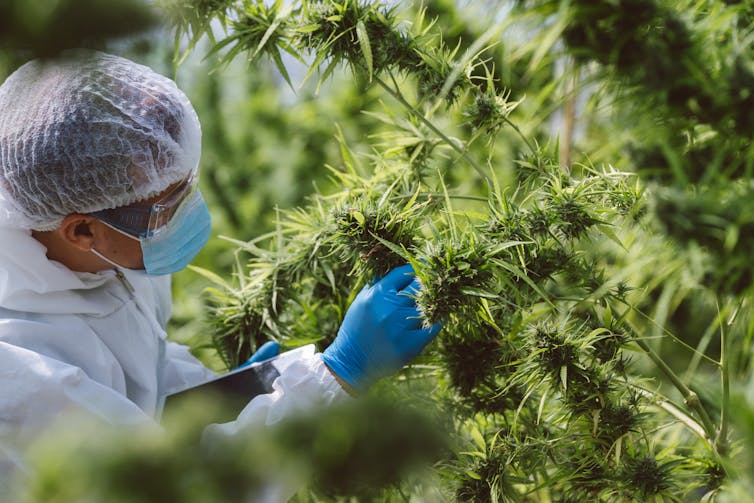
(173, 246)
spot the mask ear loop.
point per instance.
(111, 262)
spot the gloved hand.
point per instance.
(265, 351)
(381, 331)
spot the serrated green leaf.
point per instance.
(315, 65)
(598, 331)
(271, 29)
(398, 250)
(476, 292)
(218, 294)
(518, 272)
(281, 67)
(473, 475)
(607, 231)
(366, 47)
(214, 278)
(478, 439)
(411, 201)
(476, 454)
(307, 28)
(358, 216)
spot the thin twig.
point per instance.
(416, 113)
(437, 194)
(722, 435)
(529, 144)
(674, 411)
(670, 334)
(569, 116)
(689, 396)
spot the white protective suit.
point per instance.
(85, 343)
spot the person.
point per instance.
(99, 204)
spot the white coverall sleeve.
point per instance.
(44, 388)
(48, 390)
(41, 391)
(182, 369)
(303, 385)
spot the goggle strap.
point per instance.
(137, 238)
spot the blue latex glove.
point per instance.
(265, 351)
(381, 332)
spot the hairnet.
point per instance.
(89, 132)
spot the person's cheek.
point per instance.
(136, 255)
(127, 252)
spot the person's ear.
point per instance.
(79, 231)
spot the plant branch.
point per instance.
(569, 115)
(670, 334)
(689, 396)
(437, 194)
(521, 135)
(722, 435)
(416, 113)
(674, 411)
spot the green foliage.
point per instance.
(690, 65)
(360, 448)
(44, 28)
(717, 219)
(594, 288)
(529, 267)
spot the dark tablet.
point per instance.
(231, 392)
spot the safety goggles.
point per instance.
(144, 221)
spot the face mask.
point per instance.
(173, 246)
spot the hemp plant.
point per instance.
(553, 363)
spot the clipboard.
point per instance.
(229, 393)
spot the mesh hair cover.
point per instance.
(89, 132)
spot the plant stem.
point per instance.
(569, 115)
(670, 334)
(689, 396)
(416, 113)
(528, 143)
(437, 194)
(674, 411)
(722, 435)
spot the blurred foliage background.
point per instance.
(557, 104)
